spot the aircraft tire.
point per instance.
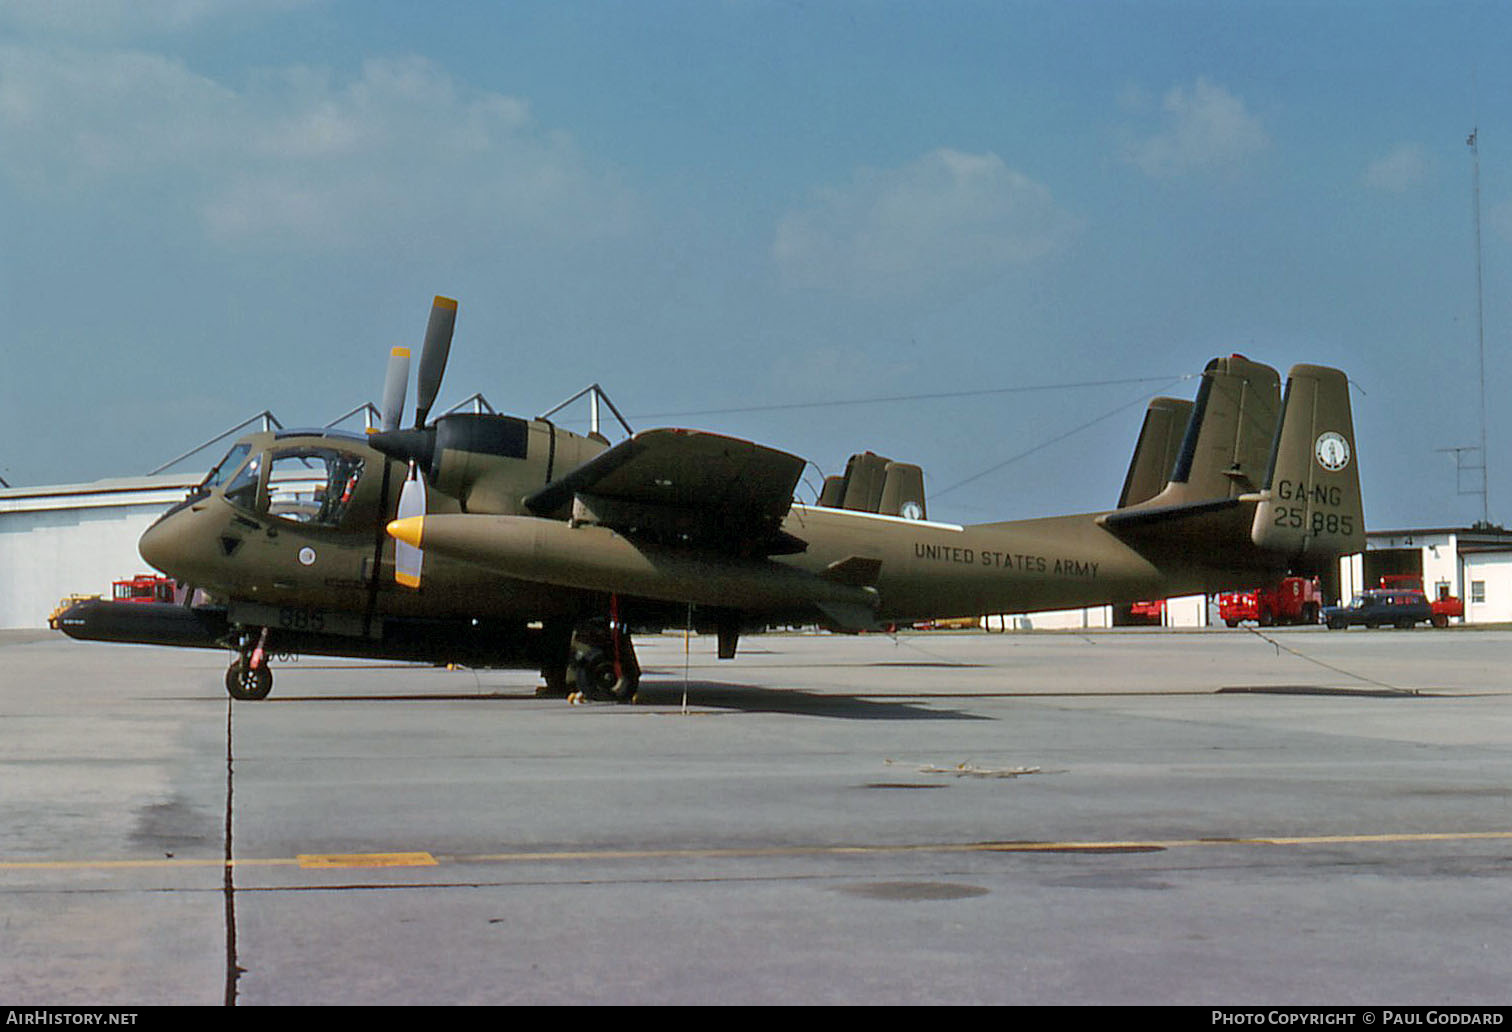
(246, 684)
(597, 680)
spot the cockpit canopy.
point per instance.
(307, 483)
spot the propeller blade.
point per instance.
(407, 557)
(438, 338)
(395, 383)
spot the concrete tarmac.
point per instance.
(1110, 817)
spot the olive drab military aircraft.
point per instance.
(491, 540)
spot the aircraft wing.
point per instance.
(683, 488)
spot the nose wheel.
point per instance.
(246, 682)
(248, 677)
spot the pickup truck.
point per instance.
(1377, 607)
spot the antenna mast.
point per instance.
(1480, 324)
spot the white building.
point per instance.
(78, 538)
(1471, 564)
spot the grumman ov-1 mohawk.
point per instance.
(489, 540)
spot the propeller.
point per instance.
(408, 559)
(438, 338)
(394, 386)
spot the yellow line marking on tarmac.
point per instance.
(325, 861)
(335, 861)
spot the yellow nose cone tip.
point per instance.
(409, 530)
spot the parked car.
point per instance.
(1445, 607)
(1377, 607)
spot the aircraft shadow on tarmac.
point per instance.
(702, 695)
(750, 698)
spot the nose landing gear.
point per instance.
(248, 678)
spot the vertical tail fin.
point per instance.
(903, 492)
(1311, 508)
(1226, 445)
(1228, 439)
(864, 476)
(873, 483)
(1156, 451)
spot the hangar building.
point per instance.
(78, 538)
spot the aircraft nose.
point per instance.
(162, 544)
(153, 547)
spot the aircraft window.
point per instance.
(225, 467)
(242, 491)
(312, 485)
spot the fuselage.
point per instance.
(296, 522)
(931, 569)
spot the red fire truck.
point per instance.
(1296, 600)
(144, 587)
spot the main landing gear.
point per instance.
(248, 678)
(600, 664)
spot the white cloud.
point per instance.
(944, 220)
(1403, 169)
(1203, 128)
(73, 118)
(297, 159)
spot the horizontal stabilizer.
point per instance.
(1123, 520)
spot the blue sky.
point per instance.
(714, 209)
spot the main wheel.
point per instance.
(597, 679)
(247, 683)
